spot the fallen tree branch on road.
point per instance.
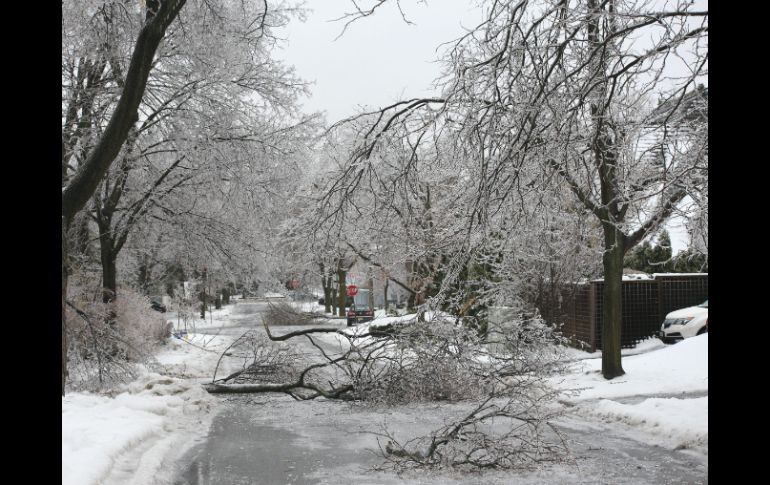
(499, 385)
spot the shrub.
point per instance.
(106, 341)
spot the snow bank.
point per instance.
(192, 355)
(652, 396)
(680, 423)
(97, 429)
(678, 368)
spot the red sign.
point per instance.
(352, 290)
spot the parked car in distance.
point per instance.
(158, 306)
(685, 323)
(360, 310)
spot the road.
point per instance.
(272, 439)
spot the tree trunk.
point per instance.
(341, 293)
(612, 308)
(83, 184)
(109, 272)
(326, 284)
(327, 294)
(144, 276)
(88, 176)
(63, 305)
(370, 285)
(385, 293)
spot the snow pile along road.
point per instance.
(150, 418)
(681, 423)
(664, 393)
(678, 368)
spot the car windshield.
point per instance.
(705, 304)
(361, 300)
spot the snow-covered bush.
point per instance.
(421, 362)
(141, 327)
(106, 340)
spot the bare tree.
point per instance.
(158, 16)
(175, 102)
(560, 92)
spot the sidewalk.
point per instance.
(131, 434)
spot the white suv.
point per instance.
(684, 323)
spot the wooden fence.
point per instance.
(645, 305)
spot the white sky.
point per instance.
(378, 59)
(381, 59)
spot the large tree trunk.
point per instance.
(83, 184)
(63, 305)
(612, 309)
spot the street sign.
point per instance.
(352, 290)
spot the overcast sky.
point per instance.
(378, 59)
(381, 59)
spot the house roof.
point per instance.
(692, 106)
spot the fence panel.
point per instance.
(645, 305)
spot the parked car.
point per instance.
(158, 306)
(360, 310)
(685, 323)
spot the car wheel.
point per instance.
(703, 330)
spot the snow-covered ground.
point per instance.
(134, 432)
(214, 318)
(664, 393)
(157, 414)
(131, 434)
